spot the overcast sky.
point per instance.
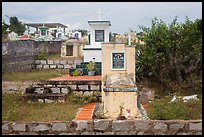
(122, 15)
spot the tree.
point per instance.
(16, 26)
(4, 27)
(83, 32)
(171, 52)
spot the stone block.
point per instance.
(50, 62)
(63, 62)
(82, 125)
(55, 90)
(46, 66)
(67, 66)
(59, 127)
(18, 127)
(176, 126)
(37, 62)
(39, 66)
(119, 125)
(195, 126)
(5, 127)
(56, 62)
(64, 90)
(101, 125)
(141, 125)
(43, 62)
(60, 66)
(49, 101)
(53, 66)
(83, 86)
(160, 126)
(70, 62)
(41, 127)
(39, 90)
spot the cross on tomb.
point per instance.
(99, 14)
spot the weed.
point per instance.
(161, 109)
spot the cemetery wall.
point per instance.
(105, 127)
(19, 55)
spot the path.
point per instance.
(86, 112)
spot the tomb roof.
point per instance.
(99, 22)
(49, 25)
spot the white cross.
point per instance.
(99, 14)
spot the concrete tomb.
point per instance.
(119, 91)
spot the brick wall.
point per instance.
(105, 127)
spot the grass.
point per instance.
(163, 109)
(15, 108)
(33, 75)
(53, 56)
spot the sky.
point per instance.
(122, 15)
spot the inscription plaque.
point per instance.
(118, 60)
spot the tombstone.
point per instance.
(119, 90)
(99, 33)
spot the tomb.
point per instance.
(99, 32)
(119, 91)
(70, 49)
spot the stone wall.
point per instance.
(56, 64)
(20, 55)
(105, 127)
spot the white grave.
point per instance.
(99, 33)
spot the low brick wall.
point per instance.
(106, 127)
(56, 64)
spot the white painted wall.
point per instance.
(90, 54)
(94, 27)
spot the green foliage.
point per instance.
(171, 53)
(83, 32)
(91, 66)
(77, 73)
(164, 110)
(4, 27)
(4, 33)
(16, 25)
(41, 55)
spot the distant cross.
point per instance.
(99, 14)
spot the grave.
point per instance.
(99, 33)
(119, 91)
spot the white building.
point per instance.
(99, 33)
(75, 34)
